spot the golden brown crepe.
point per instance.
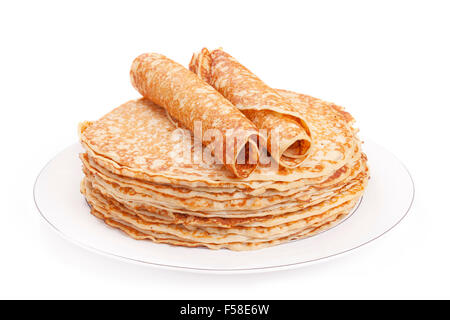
(136, 181)
(228, 134)
(288, 137)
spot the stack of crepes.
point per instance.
(144, 173)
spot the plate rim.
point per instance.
(223, 270)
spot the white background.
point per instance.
(386, 62)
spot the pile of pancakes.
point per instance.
(137, 179)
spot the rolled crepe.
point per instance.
(288, 137)
(192, 102)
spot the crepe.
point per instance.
(212, 235)
(236, 246)
(137, 180)
(288, 135)
(138, 140)
(203, 203)
(219, 125)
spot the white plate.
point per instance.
(385, 203)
